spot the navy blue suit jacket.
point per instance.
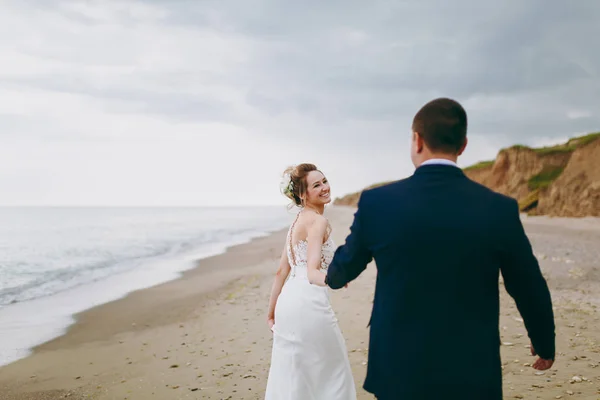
(440, 241)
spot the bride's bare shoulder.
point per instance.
(314, 218)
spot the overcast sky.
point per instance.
(172, 102)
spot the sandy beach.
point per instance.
(204, 336)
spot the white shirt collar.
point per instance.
(439, 161)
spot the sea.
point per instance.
(56, 262)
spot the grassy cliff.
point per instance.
(534, 176)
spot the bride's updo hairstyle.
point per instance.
(294, 182)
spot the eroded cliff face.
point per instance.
(481, 175)
(514, 168)
(511, 172)
(561, 180)
(576, 192)
(352, 198)
(348, 200)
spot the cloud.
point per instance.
(106, 102)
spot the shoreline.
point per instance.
(204, 335)
(60, 313)
(202, 267)
(138, 312)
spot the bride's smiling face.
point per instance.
(317, 189)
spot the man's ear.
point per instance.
(419, 142)
(462, 148)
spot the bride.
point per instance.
(309, 360)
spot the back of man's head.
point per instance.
(442, 124)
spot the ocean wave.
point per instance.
(45, 259)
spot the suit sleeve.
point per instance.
(351, 258)
(525, 283)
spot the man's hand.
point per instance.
(541, 364)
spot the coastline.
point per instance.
(141, 311)
(204, 335)
(21, 333)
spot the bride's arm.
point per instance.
(316, 235)
(280, 277)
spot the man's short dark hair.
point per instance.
(442, 123)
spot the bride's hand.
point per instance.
(346, 286)
(271, 323)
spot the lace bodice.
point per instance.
(298, 259)
(301, 254)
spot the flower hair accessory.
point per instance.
(289, 189)
(288, 186)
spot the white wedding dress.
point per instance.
(309, 359)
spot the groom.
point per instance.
(440, 242)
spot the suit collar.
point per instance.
(438, 169)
